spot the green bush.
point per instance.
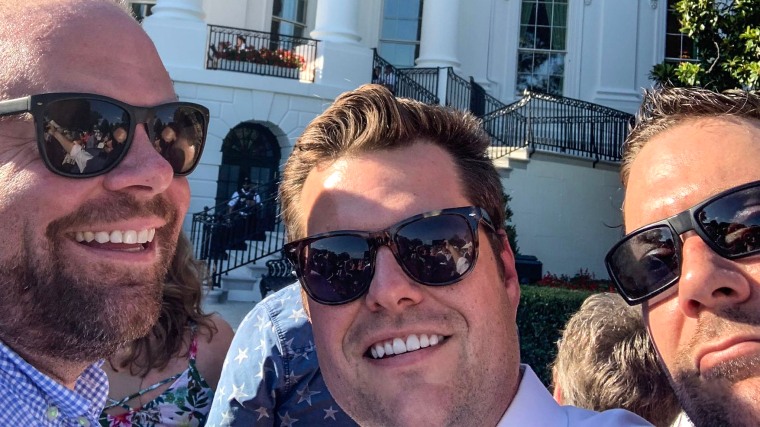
(541, 316)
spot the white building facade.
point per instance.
(566, 207)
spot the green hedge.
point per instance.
(541, 316)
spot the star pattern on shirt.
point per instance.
(219, 394)
(226, 418)
(242, 355)
(237, 392)
(293, 378)
(288, 346)
(298, 314)
(262, 346)
(262, 413)
(330, 413)
(287, 420)
(305, 394)
(263, 322)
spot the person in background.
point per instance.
(605, 360)
(168, 377)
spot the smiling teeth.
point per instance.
(399, 346)
(128, 236)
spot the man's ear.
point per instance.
(509, 271)
(557, 389)
(305, 300)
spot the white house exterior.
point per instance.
(565, 207)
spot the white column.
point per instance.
(337, 21)
(440, 34)
(178, 30)
(188, 10)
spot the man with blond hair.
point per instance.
(606, 360)
(84, 252)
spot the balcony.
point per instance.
(257, 52)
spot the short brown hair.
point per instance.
(606, 360)
(370, 119)
(667, 107)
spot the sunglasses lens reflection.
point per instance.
(646, 262)
(732, 222)
(337, 268)
(84, 137)
(434, 251)
(178, 136)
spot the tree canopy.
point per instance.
(727, 36)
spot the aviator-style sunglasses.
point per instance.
(435, 249)
(81, 135)
(648, 261)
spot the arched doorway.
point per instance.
(250, 151)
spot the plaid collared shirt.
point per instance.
(30, 398)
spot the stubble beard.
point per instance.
(76, 309)
(711, 400)
(464, 397)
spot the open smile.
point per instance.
(401, 345)
(128, 240)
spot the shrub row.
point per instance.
(541, 316)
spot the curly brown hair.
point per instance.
(181, 308)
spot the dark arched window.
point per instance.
(248, 151)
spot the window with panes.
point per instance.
(289, 18)
(678, 46)
(400, 32)
(542, 46)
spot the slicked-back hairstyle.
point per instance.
(181, 305)
(606, 360)
(665, 108)
(371, 119)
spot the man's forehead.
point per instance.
(687, 164)
(94, 46)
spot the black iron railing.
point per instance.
(558, 124)
(425, 77)
(458, 91)
(401, 84)
(257, 52)
(230, 238)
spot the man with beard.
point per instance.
(396, 347)
(691, 256)
(84, 253)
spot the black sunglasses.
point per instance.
(647, 261)
(81, 135)
(435, 248)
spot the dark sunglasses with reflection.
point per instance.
(647, 261)
(81, 135)
(435, 248)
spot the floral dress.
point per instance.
(186, 403)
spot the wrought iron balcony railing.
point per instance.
(257, 52)
(558, 124)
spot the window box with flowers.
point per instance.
(275, 62)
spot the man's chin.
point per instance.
(729, 398)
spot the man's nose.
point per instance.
(142, 171)
(709, 281)
(391, 288)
